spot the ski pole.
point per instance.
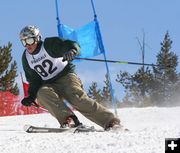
(37, 106)
(113, 61)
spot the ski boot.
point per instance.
(71, 121)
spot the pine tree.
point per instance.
(8, 70)
(106, 93)
(136, 85)
(165, 74)
(94, 92)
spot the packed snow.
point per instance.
(148, 129)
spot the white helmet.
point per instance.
(30, 32)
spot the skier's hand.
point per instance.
(27, 101)
(69, 56)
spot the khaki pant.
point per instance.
(69, 87)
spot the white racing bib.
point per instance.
(45, 65)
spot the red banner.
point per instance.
(25, 87)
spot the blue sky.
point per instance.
(121, 23)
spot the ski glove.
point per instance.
(27, 101)
(69, 56)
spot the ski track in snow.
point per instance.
(148, 129)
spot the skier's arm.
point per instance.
(32, 77)
(56, 46)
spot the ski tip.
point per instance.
(26, 127)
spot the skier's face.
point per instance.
(30, 44)
(31, 48)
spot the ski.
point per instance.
(35, 129)
(82, 128)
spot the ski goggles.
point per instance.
(28, 41)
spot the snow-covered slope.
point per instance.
(148, 129)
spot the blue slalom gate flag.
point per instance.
(87, 38)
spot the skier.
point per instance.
(51, 75)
